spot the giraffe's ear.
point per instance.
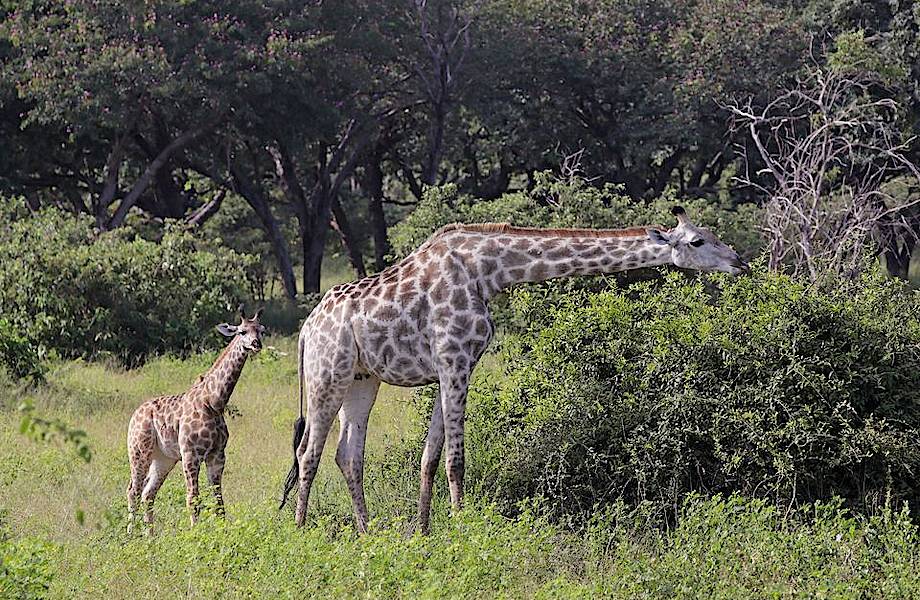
(657, 236)
(227, 329)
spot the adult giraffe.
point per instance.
(426, 320)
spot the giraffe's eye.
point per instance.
(698, 243)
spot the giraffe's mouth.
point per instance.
(740, 267)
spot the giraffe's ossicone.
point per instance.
(426, 320)
(189, 427)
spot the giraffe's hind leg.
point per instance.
(160, 467)
(139, 467)
(140, 455)
(353, 416)
(215, 466)
(324, 402)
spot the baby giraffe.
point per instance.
(189, 427)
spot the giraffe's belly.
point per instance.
(167, 436)
(394, 355)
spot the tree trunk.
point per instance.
(257, 201)
(373, 184)
(313, 244)
(435, 143)
(112, 166)
(206, 210)
(342, 225)
(153, 168)
(313, 236)
(170, 201)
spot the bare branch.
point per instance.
(831, 149)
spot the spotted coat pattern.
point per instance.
(189, 427)
(426, 320)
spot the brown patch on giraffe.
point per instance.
(438, 293)
(406, 286)
(441, 313)
(463, 323)
(482, 330)
(408, 271)
(402, 331)
(387, 313)
(419, 311)
(490, 247)
(438, 249)
(558, 254)
(389, 292)
(539, 271)
(513, 258)
(431, 273)
(460, 299)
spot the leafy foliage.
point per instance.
(25, 568)
(44, 430)
(18, 355)
(758, 385)
(83, 296)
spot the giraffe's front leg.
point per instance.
(191, 464)
(215, 465)
(434, 442)
(453, 404)
(349, 456)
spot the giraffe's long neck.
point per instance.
(221, 378)
(506, 258)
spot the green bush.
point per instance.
(758, 385)
(83, 295)
(25, 568)
(19, 357)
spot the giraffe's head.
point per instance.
(694, 247)
(250, 331)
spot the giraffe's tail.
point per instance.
(300, 426)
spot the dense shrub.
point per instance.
(83, 295)
(19, 357)
(25, 570)
(758, 385)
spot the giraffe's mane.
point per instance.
(507, 228)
